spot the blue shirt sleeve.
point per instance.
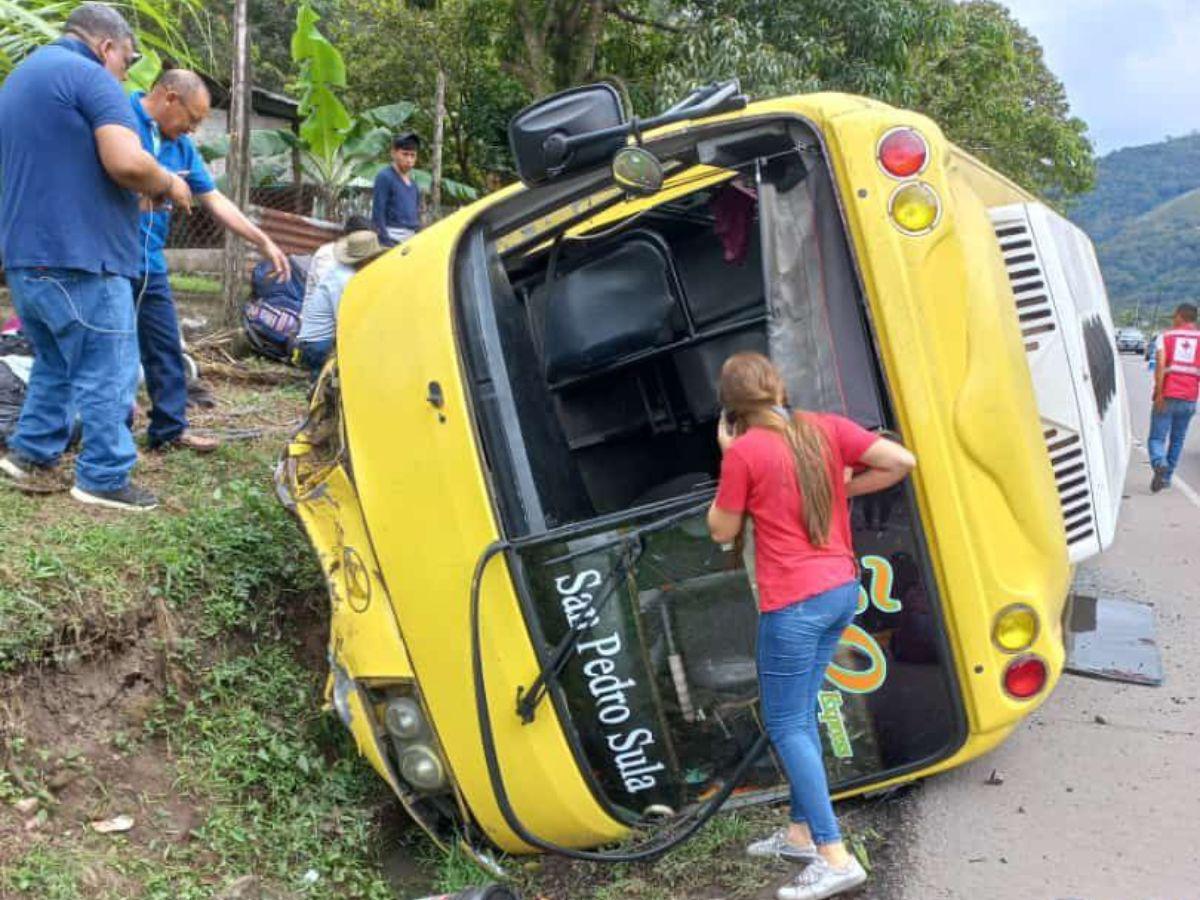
(101, 101)
(198, 177)
(380, 197)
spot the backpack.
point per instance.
(271, 317)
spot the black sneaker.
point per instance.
(33, 478)
(131, 497)
(1160, 479)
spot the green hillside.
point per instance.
(1144, 216)
(1133, 181)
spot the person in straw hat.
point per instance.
(318, 315)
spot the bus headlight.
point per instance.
(1016, 628)
(422, 768)
(403, 718)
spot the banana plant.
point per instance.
(339, 153)
(27, 24)
(364, 149)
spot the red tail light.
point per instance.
(903, 152)
(1025, 677)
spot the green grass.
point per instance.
(43, 873)
(183, 283)
(221, 551)
(288, 795)
(277, 787)
(712, 863)
(286, 799)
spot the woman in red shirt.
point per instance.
(790, 473)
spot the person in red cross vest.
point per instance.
(1176, 386)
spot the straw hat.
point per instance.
(357, 247)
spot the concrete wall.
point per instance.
(195, 261)
(217, 124)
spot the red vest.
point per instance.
(1181, 362)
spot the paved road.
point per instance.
(1087, 810)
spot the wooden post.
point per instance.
(298, 178)
(238, 162)
(439, 131)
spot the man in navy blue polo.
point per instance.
(396, 200)
(176, 106)
(68, 143)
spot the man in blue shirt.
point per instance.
(71, 169)
(176, 106)
(396, 200)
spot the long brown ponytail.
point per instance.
(750, 390)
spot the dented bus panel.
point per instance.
(521, 410)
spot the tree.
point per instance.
(339, 152)
(991, 91)
(403, 50)
(271, 23)
(969, 66)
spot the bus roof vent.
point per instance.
(1074, 491)
(1034, 309)
(1066, 326)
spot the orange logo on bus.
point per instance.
(864, 679)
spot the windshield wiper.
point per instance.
(632, 547)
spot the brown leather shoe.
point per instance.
(27, 476)
(189, 441)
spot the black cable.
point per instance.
(656, 846)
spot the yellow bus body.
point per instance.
(950, 347)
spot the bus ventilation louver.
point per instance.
(1071, 475)
(1034, 309)
(1066, 329)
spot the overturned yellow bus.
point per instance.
(506, 467)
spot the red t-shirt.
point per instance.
(758, 477)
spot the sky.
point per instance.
(1131, 67)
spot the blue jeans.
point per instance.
(82, 329)
(795, 646)
(1171, 423)
(313, 355)
(162, 358)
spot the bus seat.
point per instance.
(699, 367)
(609, 307)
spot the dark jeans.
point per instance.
(795, 647)
(1167, 430)
(82, 329)
(313, 355)
(162, 358)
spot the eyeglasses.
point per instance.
(195, 120)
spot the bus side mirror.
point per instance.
(545, 136)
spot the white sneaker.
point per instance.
(820, 880)
(777, 846)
